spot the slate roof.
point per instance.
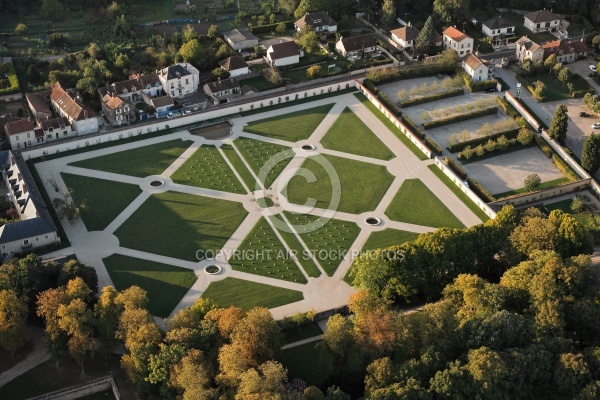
(18, 126)
(232, 63)
(455, 34)
(162, 101)
(541, 16)
(498, 23)
(37, 104)
(239, 35)
(283, 50)
(311, 18)
(174, 72)
(406, 33)
(358, 42)
(223, 84)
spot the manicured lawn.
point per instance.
(393, 128)
(292, 127)
(239, 166)
(303, 257)
(556, 90)
(350, 135)
(459, 193)
(302, 332)
(260, 156)
(104, 200)
(416, 204)
(362, 185)
(247, 295)
(206, 168)
(259, 83)
(543, 185)
(329, 243)
(306, 362)
(165, 284)
(388, 238)
(178, 225)
(140, 162)
(262, 253)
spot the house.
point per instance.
(284, 53)
(566, 51)
(496, 27)
(223, 90)
(405, 36)
(320, 21)
(20, 133)
(457, 41)
(35, 228)
(54, 129)
(162, 105)
(356, 45)
(131, 89)
(38, 106)
(527, 49)
(69, 104)
(180, 79)
(541, 21)
(240, 39)
(116, 110)
(235, 65)
(475, 68)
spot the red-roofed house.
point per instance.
(476, 68)
(117, 111)
(70, 105)
(457, 41)
(20, 133)
(566, 51)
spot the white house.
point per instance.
(35, 228)
(20, 133)
(475, 68)
(131, 89)
(180, 79)
(541, 21)
(282, 54)
(527, 49)
(457, 41)
(222, 90)
(405, 36)
(235, 65)
(353, 46)
(54, 129)
(320, 21)
(162, 105)
(69, 104)
(496, 27)
(240, 39)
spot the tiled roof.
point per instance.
(65, 101)
(560, 47)
(37, 104)
(239, 35)
(473, 61)
(358, 42)
(283, 50)
(55, 123)
(112, 102)
(528, 44)
(498, 23)
(311, 18)
(232, 63)
(406, 33)
(579, 45)
(541, 16)
(18, 126)
(455, 34)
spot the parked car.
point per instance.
(491, 90)
(187, 112)
(173, 115)
(596, 125)
(593, 68)
(584, 114)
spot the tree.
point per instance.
(191, 51)
(532, 182)
(314, 72)
(308, 39)
(21, 29)
(52, 10)
(192, 376)
(590, 156)
(307, 6)
(388, 12)
(550, 62)
(266, 382)
(75, 268)
(76, 319)
(525, 136)
(281, 28)
(559, 124)
(451, 11)
(107, 318)
(539, 90)
(425, 41)
(213, 31)
(564, 75)
(13, 315)
(189, 33)
(121, 27)
(526, 68)
(273, 76)
(33, 75)
(578, 204)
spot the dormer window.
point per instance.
(124, 91)
(149, 86)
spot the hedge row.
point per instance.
(413, 127)
(371, 86)
(510, 146)
(9, 69)
(534, 115)
(508, 108)
(580, 93)
(390, 105)
(432, 144)
(529, 87)
(480, 191)
(545, 147)
(432, 97)
(416, 72)
(510, 134)
(454, 166)
(270, 27)
(565, 168)
(460, 117)
(473, 86)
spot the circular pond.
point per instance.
(308, 147)
(156, 183)
(212, 269)
(374, 221)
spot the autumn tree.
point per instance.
(13, 316)
(213, 31)
(550, 62)
(532, 182)
(313, 72)
(267, 381)
(388, 12)
(76, 320)
(107, 317)
(191, 375)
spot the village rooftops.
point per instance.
(541, 16)
(18, 126)
(232, 63)
(455, 34)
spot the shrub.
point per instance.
(532, 182)
(371, 86)
(525, 136)
(413, 127)
(454, 166)
(510, 134)
(314, 72)
(13, 82)
(270, 27)
(460, 117)
(432, 97)
(508, 108)
(478, 86)
(480, 191)
(391, 106)
(544, 146)
(382, 74)
(565, 168)
(436, 148)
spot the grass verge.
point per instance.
(270, 158)
(543, 185)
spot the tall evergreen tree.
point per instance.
(426, 39)
(558, 127)
(590, 157)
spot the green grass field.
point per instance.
(301, 332)
(329, 243)
(459, 193)
(387, 238)
(165, 284)
(543, 185)
(350, 135)
(416, 204)
(177, 225)
(141, 162)
(306, 362)
(303, 257)
(260, 155)
(556, 90)
(292, 127)
(239, 166)
(393, 128)
(246, 294)
(362, 185)
(104, 200)
(262, 253)
(206, 168)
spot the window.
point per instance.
(17, 138)
(3, 246)
(186, 81)
(25, 242)
(48, 136)
(37, 239)
(28, 135)
(462, 46)
(46, 237)
(172, 85)
(65, 133)
(461, 52)
(18, 145)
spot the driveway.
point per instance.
(582, 68)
